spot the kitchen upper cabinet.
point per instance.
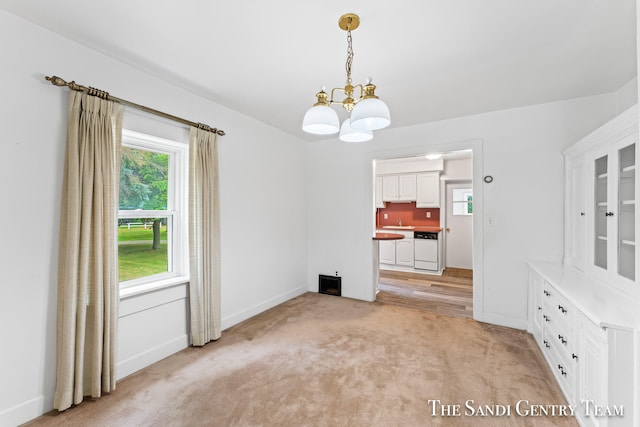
(399, 188)
(389, 188)
(428, 190)
(378, 192)
(407, 187)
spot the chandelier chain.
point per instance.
(349, 57)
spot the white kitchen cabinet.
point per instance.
(590, 339)
(399, 188)
(378, 192)
(389, 188)
(404, 252)
(387, 251)
(428, 190)
(397, 252)
(407, 187)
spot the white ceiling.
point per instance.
(431, 59)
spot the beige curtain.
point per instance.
(87, 266)
(204, 237)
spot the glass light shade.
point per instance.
(348, 134)
(370, 114)
(321, 120)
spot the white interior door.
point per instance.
(458, 231)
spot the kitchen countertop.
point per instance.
(388, 236)
(411, 228)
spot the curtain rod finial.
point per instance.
(57, 81)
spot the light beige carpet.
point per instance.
(320, 360)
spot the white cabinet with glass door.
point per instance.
(612, 254)
(601, 188)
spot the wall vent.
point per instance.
(330, 285)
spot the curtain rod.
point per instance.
(57, 81)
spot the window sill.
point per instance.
(152, 286)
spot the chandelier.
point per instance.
(366, 111)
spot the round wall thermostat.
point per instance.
(488, 179)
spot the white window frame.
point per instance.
(177, 213)
(466, 203)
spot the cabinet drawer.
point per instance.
(558, 308)
(563, 368)
(563, 341)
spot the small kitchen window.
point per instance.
(462, 200)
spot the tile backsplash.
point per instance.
(408, 214)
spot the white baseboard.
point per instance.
(151, 356)
(234, 319)
(23, 412)
(509, 322)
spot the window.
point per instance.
(462, 201)
(152, 223)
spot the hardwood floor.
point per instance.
(450, 294)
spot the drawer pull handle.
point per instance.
(562, 340)
(546, 344)
(546, 293)
(574, 356)
(539, 308)
(546, 318)
(562, 371)
(562, 309)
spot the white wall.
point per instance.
(521, 148)
(263, 211)
(457, 169)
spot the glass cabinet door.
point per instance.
(626, 244)
(601, 212)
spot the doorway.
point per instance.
(452, 291)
